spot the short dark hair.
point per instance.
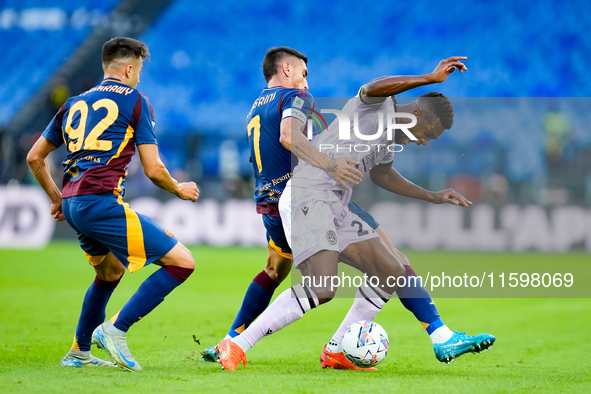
(274, 56)
(124, 48)
(439, 105)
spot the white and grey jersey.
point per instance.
(368, 152)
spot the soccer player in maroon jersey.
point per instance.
(100, 129)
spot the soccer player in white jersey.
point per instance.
(323, 231)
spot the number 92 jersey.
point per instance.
(271, 161)
(100, 129)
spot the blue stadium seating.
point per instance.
(36, 37)
(206, 67)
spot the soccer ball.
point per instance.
(365, 344)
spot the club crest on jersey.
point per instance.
(331, 236)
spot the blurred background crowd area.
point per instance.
(523, 126)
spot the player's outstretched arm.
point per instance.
(386, 177)
(341, 169)
(37, 160)
(392, 85)
(155, 169)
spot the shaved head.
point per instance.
(121, 50)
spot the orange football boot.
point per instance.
(338, 361)
(230, 355)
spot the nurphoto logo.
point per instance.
(384, 123)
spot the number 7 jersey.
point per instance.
(100, 129)
(271, 161)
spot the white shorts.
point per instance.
(315, 220)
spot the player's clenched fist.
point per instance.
(56, 211)
(189, 191)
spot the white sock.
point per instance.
(240, 341)
(110, 329)
(441, 335)
(334, 347)
(369, 301)
(289, 307)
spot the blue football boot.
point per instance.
(460, 344)
(211, 354)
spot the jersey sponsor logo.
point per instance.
(281, 178)
(168, 233)
(331, 236)
(73, 172)
(270, 191)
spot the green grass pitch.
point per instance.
(542, 344)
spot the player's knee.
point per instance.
(119, 271)
(110, 273)
(324, 294)
(278, 267)
(187, 261)
(109, 277)
(182, 264)
(179, 256)
(273, 274)
(402, 258)
(114, 275)
(398, 268)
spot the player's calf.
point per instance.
(278, 267)
(289, 307)
(148, 296)
(320, 275)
